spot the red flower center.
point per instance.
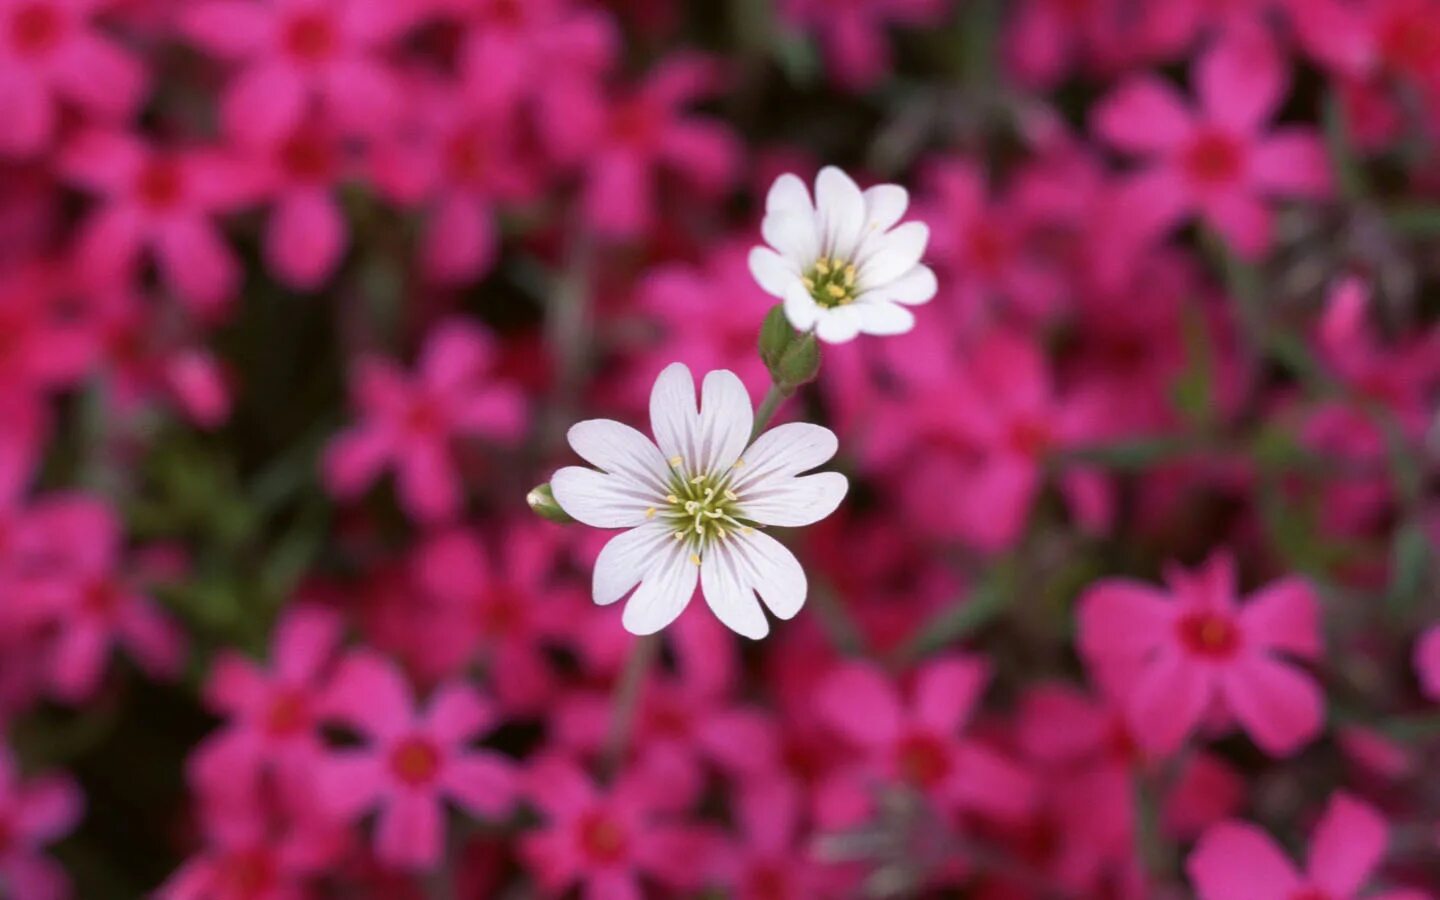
(160, 185)
(1410, 42)
(308, 156)
(1309, 893)
(668, 720)
(507, 13)
(288, 715)
(36, 28)
(635, 123)
(1030, 437)
(466, 155)
(602, 839)
(248, 873)
(425, 417)
(922, 760)
(7, 837)
(102, 599)
(310, 37)
(1209, 634)
(500, 611)
(415, 761)
(1120, 743)
(988, 248)
(1213, 158)
(767, 882)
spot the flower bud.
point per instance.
(799, 364)
(542, 502)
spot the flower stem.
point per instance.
(625, 702)
(773, 398)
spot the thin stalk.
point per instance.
(773, 398)
(625, 702)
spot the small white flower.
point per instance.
(695, 505)
(842, 265)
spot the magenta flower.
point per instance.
(292, 51)
(1239, 861)
(34, 814)
(163, 199)
(1427, 662)
(917, 742)
(1216, 162)
(770, 860)
(274, 715)
(853, 32)
(1194, 651)
(411, 761)
(608, 840)
(410, 422)
(51, 51)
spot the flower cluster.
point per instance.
(771, 449)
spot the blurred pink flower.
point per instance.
(1217, 161)
(857, 51)
(412, 759)
(34, 814)
(410, 422)
(770, 859)
(1427, 662)
(1181, 655)
(1239, 861)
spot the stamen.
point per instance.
(695, 558)
(650, 513)
(676, 461)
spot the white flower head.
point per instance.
(842, 265)
(696, 504)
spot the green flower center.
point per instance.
(831, 281)
(701, 508)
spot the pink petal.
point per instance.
(155, 642)
(429, 489)
(618, 201)
(1167, 702)
(1243, 220)
(705, 151)
(1281, 708)
(235, 684)
(768, 814)
(1284, 615)
(305, 239)
(232, 29)
(263, 103)
(100, 76)
(496, 413)
(1348, 845)
(1241, 81)
(456, 355)
(28, 111)
(1427, 662)
(1238, 861)
(1144, 116)
(1118, 617)
(304, 641)
(348, 782)
(198, 263)
(102, 161)
(990, 783)
(457, 713)
(364, 95)
(410, 831)
(81, 653)
(947, 690)
(460, 240)
(34, 877)
(485, 784)
(1291, 162)
(861, 703)
(369, 692)
(354, 460)
(48, 808)
(1150, 204)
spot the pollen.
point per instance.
(701, 509)
(831, 282)
(650, 513)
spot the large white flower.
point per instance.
(695, 506)
(841, 264)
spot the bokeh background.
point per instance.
(298, 297)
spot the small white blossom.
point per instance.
(696, 504)
(842, 265)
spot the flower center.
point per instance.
(101, 599)
(288, 715)
(601, 838)
(36, 29)
(923, 761)
(701, 508)
(308, 156)
(7, 838)
(1213, 158)
(415, 761)
(248, 873)
(1209, 634)
(1308, 893)
(310, 37)
(160, 185)
(831, 281)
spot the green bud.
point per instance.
(775, 335)
(799, 364)
(542, 502)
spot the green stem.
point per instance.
(625, 703)
(773, 398)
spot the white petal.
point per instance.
(913, 288)
(795, 235)
(673, 416)
(784, 452)
(772, 570)
(884, 205)
(663, 594)
(836, 326)
(895, 254)
(789, 195)
(600, 500)
(773, 272)
(728, 594)
(885, 318)
(627, 558)
(792, 502)
(621, 450)
(726, 418)
(800, 308)
(841, 209)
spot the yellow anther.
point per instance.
(671, 498)
(676, 461)
(698, 479)
(731, 495)
(808, 282)
(695, 558)
(850, 273)
(650, 513)
(835, 291)
(822, 265)
(738, 463)
(747, 530)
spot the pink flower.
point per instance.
(1427, 662)
(853, 32)
(1216, 161)
(1182, 655)
(410, 422)
(292, 51)
(608, 840)
(33, 814)
(1239, 861)
(916, 742)
(1047, 40)
(770, 860)
(51, 51)
(164, 199)
(411, 760)
(274, 716)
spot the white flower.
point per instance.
(841, 265)
(695, 506)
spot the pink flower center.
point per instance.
(988, 248)
(1213, 158)
(288, 715)
(1410, 42)
(507, 13)
(602, 839)
(160, 185)
(1030, 437)
(248, 874)
(1120, 744)
(1209, 634)
(415, 762)
(635, 123)
(1308, 893)
(668, 720)
(7, 837)
(36, 29)
(310, 37)
(101, 599)
(500, 611)
(922, 760)
(767, 882)
(425, 417)
(308, 156)
(467, 157)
